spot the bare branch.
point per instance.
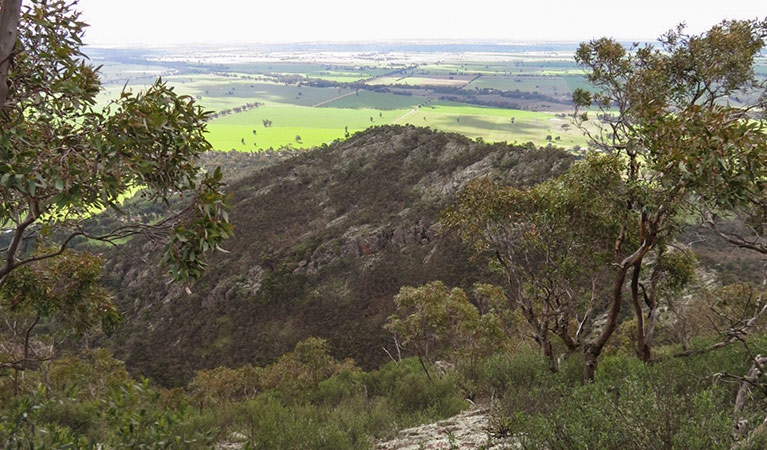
(755, 244)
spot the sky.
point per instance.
(172, 22)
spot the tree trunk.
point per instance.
(642, 346)
(593, 349)
(646, 351)
(740, 427)
(590, 365)
(423, 366)
(646, 329)
(548, 352)
(9, 26)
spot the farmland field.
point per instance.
(304, 99)
(433, 80)
(542, 84)
(375, 100)
(217, 92)
(333, 72)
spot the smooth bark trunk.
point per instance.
(9, 26)
(592, 350)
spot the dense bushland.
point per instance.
(309, 400)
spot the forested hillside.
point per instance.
(322, 242)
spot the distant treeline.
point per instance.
(236, 109)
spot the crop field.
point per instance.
(246, 131)
(384, 80)
(554, 77)
(520, 65)
(444, 80)
(576, 81)
(457, 68)
(218, 92)
(376, 100)
(332, 72)
(550, 85)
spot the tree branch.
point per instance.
(738, 241)
(11, 262)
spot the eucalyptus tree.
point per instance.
(552, 242)
(670, 113)
(680, 128)
(47, 301)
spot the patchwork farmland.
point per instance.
(303, 99)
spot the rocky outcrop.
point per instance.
(467, 430)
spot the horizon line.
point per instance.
(430, 41)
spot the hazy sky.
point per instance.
(250, 21)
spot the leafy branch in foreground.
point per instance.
(62, 157)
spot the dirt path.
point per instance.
(333, 99)
(404, 115)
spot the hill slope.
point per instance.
(323, 242)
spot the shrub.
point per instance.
(673, 404)
(411, 393)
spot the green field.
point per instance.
(494, 124)
(376, 100)
(324, 124)
(554, 77)
(388, 79)
(217, 92)
(314, 125)
(457, 68)
(332, 72)
(549, 85)
(451, 80)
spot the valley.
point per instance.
(508, 93)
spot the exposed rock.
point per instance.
(467, 430)
(236, 441)
(443, 368)
(253, 280)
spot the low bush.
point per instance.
(677, 403)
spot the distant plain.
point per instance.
(304, 99)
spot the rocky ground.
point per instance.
(467, 430)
